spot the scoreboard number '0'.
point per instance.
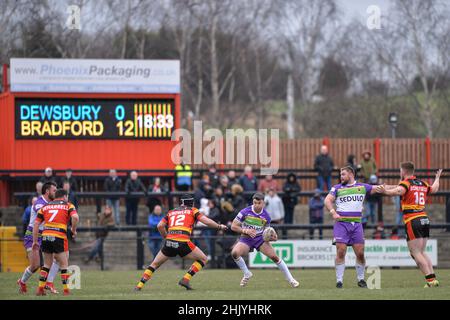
(47, 118)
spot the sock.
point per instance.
(64, 278)
(241, 264)
(146, 276)
(340, 268)
(26, 275)
(284, 268)
(430, 277)
(43, 277)
(53, 272)
(360, 268)
(196, 267)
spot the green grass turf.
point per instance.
(224, 285)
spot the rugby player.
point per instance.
(414, 194)
(176, 228)
(35, 257)
(55, 217)
(348, 196)
(250, 224)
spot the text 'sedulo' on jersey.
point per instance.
(414, 200)
(350, 200)
(180, 222)
(56, 216)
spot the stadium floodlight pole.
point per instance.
(393, 121)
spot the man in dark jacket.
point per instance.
(71, 179)
(324, 167)
(48, 176)
(133, 184)
(248, 182)
(316, 204)
(290, 199)
(113, 184)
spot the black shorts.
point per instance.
(173, 248)
(417, 228)
(53, 244)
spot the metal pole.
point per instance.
(447, 211)
(140, 250)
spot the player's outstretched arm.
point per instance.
(435, 185)
(211, 223)
(397, 191)
(162, 228)
(329, 204)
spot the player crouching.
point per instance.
(180, 222)
(55, 216)
(251, 223)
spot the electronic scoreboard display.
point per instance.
(94, 118)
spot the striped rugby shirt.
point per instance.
(350, 199)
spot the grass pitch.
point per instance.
(224, 285)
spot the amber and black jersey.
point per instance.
(414, 200)
(180, 222)
(56, 216)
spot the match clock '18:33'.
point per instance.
(149, 120)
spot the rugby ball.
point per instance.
(269, 233)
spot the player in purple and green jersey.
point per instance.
(34, 256)
(250, 224)
(348, 196)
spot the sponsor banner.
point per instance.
(95, 76)
(321, 253)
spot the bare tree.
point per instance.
(303, 34)
(411, 44)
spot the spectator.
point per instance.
(224, 184)
(370, 205)
(133, 184)
(153, 201)
(290, 199)
(274, 206)
(27, 213)
(324, 166)
(213, 176)
(104, 219)
(248, 182)
(39, 185)
(203, 190)
(394, 234)
(218, 195)
(71, 179)
(214, 214)
(48, 176)
(154, 237)
(72, 197)
(237, 200)
(231, 175)
(113, 184)
(316, 204)
(368, 166)
(183, 177)
(268, 183)
(399, 215)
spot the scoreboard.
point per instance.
(73, 118)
